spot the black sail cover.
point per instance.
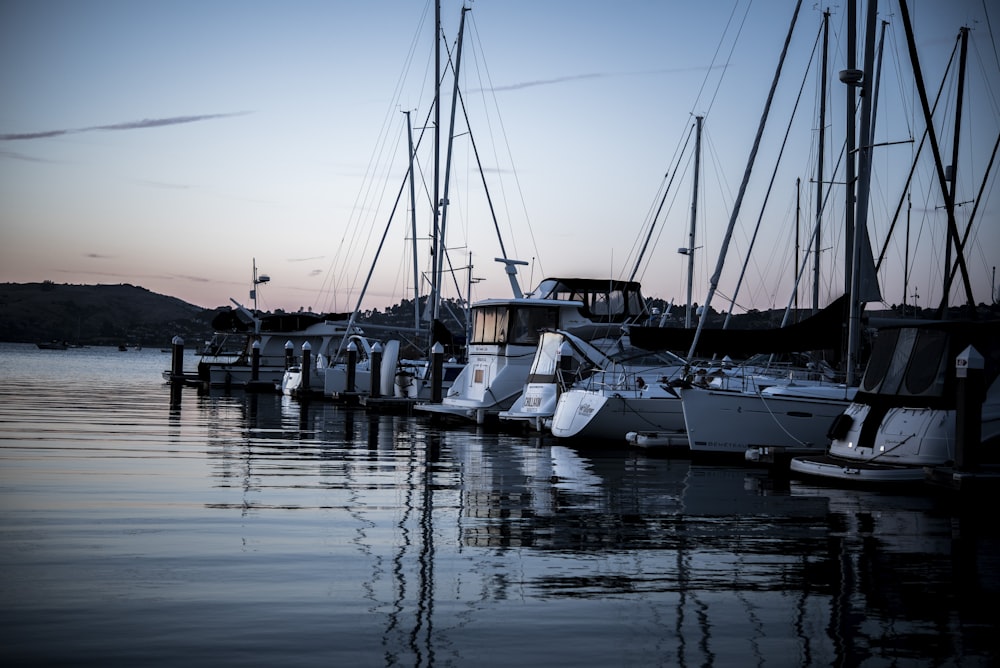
(823, 331)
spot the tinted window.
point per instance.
(527, 323)
(878, 363)
(898, 361)
(924, 374)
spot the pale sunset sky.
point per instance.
(170, 144)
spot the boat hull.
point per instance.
(759, 424)
(611, 416)
(836, 469)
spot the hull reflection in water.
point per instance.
(154, 527)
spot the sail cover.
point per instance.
(823, 331)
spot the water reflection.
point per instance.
(249, 528)
(726, 559)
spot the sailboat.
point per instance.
(413, 379)
(634, 409)
(903, 418)
(767, 423)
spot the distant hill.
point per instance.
(128, 314)
(97, 315)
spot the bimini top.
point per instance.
(604, 300)
(238, 320)
(914, 365)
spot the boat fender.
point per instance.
(840, 426)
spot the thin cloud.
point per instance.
(599, 75)
(306, 259)
(128, 125)
(97, 256)
(196, 279)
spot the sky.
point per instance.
(175, 145)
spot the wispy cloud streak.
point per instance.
(598, 75)
(128, 125)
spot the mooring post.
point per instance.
(969, 395)
(437, 369)
(255, 362)
(352, 366)
(375, 384)
(289, 354)
(306, 366)
(177, 359)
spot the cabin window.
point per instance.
(489, 324)
(898, 360)
(527, 324)
(924, 373)
(881, 357)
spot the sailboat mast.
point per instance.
(935, 149)
(694, 218)
(798, 213)
(954, 158)
(413, 227)
(714, 280)
(447, 169)
(819, 161)
(850, 165)
(861, 215)
(432, 298)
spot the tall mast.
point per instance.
(938, 165)
(447, 169)
(954, 161)
(861, 217)
(435, 234)
(850, 76)
(819, 161)
(798, 212)
(714, 280)
(694, 218)
(413, 227)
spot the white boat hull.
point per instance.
(907, 440)
(611, 416)
(741, 423)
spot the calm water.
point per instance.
(139, 528)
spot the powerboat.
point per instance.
(506, 332)
(903, 417)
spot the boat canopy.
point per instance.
(238, 320)
(823, 331)
(914, 366)
(603, 300)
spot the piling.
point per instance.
(177, 359)
(437, 372)
(970, 391)
(255, 363)
(375, 384)
(306, 367)
(289, 354)
(352, 367)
